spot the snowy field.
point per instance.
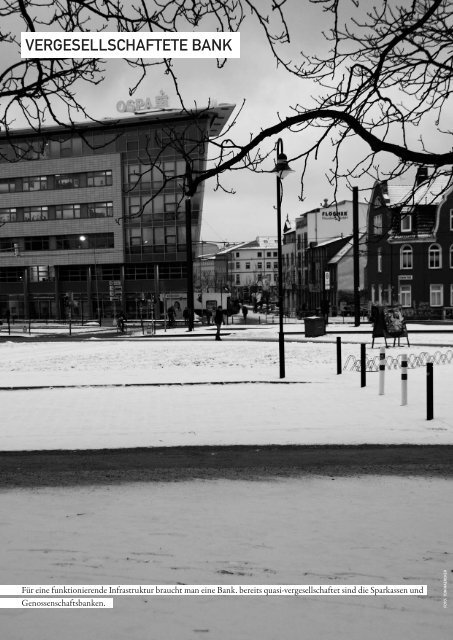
(309, 530)
(106, 402)
(299, 531)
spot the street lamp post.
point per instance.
(281, 169)
(84, 239)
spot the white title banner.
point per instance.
(113, 44)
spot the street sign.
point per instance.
(115, 290)
(327, 280)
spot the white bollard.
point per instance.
(403, 379)
(381, 370)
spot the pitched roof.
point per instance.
(428, 192)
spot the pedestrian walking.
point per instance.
(171, 316)
(120, 321)
(325, 310)
(218, 319)
(244, 313)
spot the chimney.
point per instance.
(422, 175)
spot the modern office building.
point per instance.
(93, 218)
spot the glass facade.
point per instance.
(132, 219)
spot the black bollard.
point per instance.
(338, 355)
(429, 391)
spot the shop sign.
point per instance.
(131, 106)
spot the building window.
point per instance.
(238, 279)
(238, 265)
(92, 241)
(379, 294)
(259, 265)
(67, 181)
(436, 295)
(406, 222)
(99, 178)
(268, 265)
(33, 214)
(67, 211)
(406, 256)
(8, 215)
(11, 274)
(237, 254)
(274, 254)
(259, 254)
(451, 219)
(373, 294)
(100, 209)
(434, 257)
(72, 273)
(247, 265)
(41, 274)
(35, 183)
(405, 295)
(275, 265)
(379, 260)
(451, 256)
(8, 185)
(38, 243)
(377, 224)
(451, 295)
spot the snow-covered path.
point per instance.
(181, 407)
(299, 531)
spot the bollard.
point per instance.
(404, 379)
(381, 370)
(429, 391)
(363, 364)
(338, 355)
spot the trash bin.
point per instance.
(314, 327)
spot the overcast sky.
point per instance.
(268, 91)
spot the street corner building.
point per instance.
(92, 216)
(410, 246)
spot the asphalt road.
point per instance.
(111, 466)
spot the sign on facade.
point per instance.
(115, 290)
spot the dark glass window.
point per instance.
(100, 209)
(73, 273)
(67, 181)
(36, 243)
(11, 274)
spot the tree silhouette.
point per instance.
(386, 73)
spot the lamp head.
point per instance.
(282, 167)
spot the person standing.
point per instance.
(218, 319)
(325, 305)
(244, 313)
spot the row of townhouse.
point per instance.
(410, 246)
(405, 254)
(317, 258)
(405, 251)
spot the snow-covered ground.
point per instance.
(309, 530)
(187, 404)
